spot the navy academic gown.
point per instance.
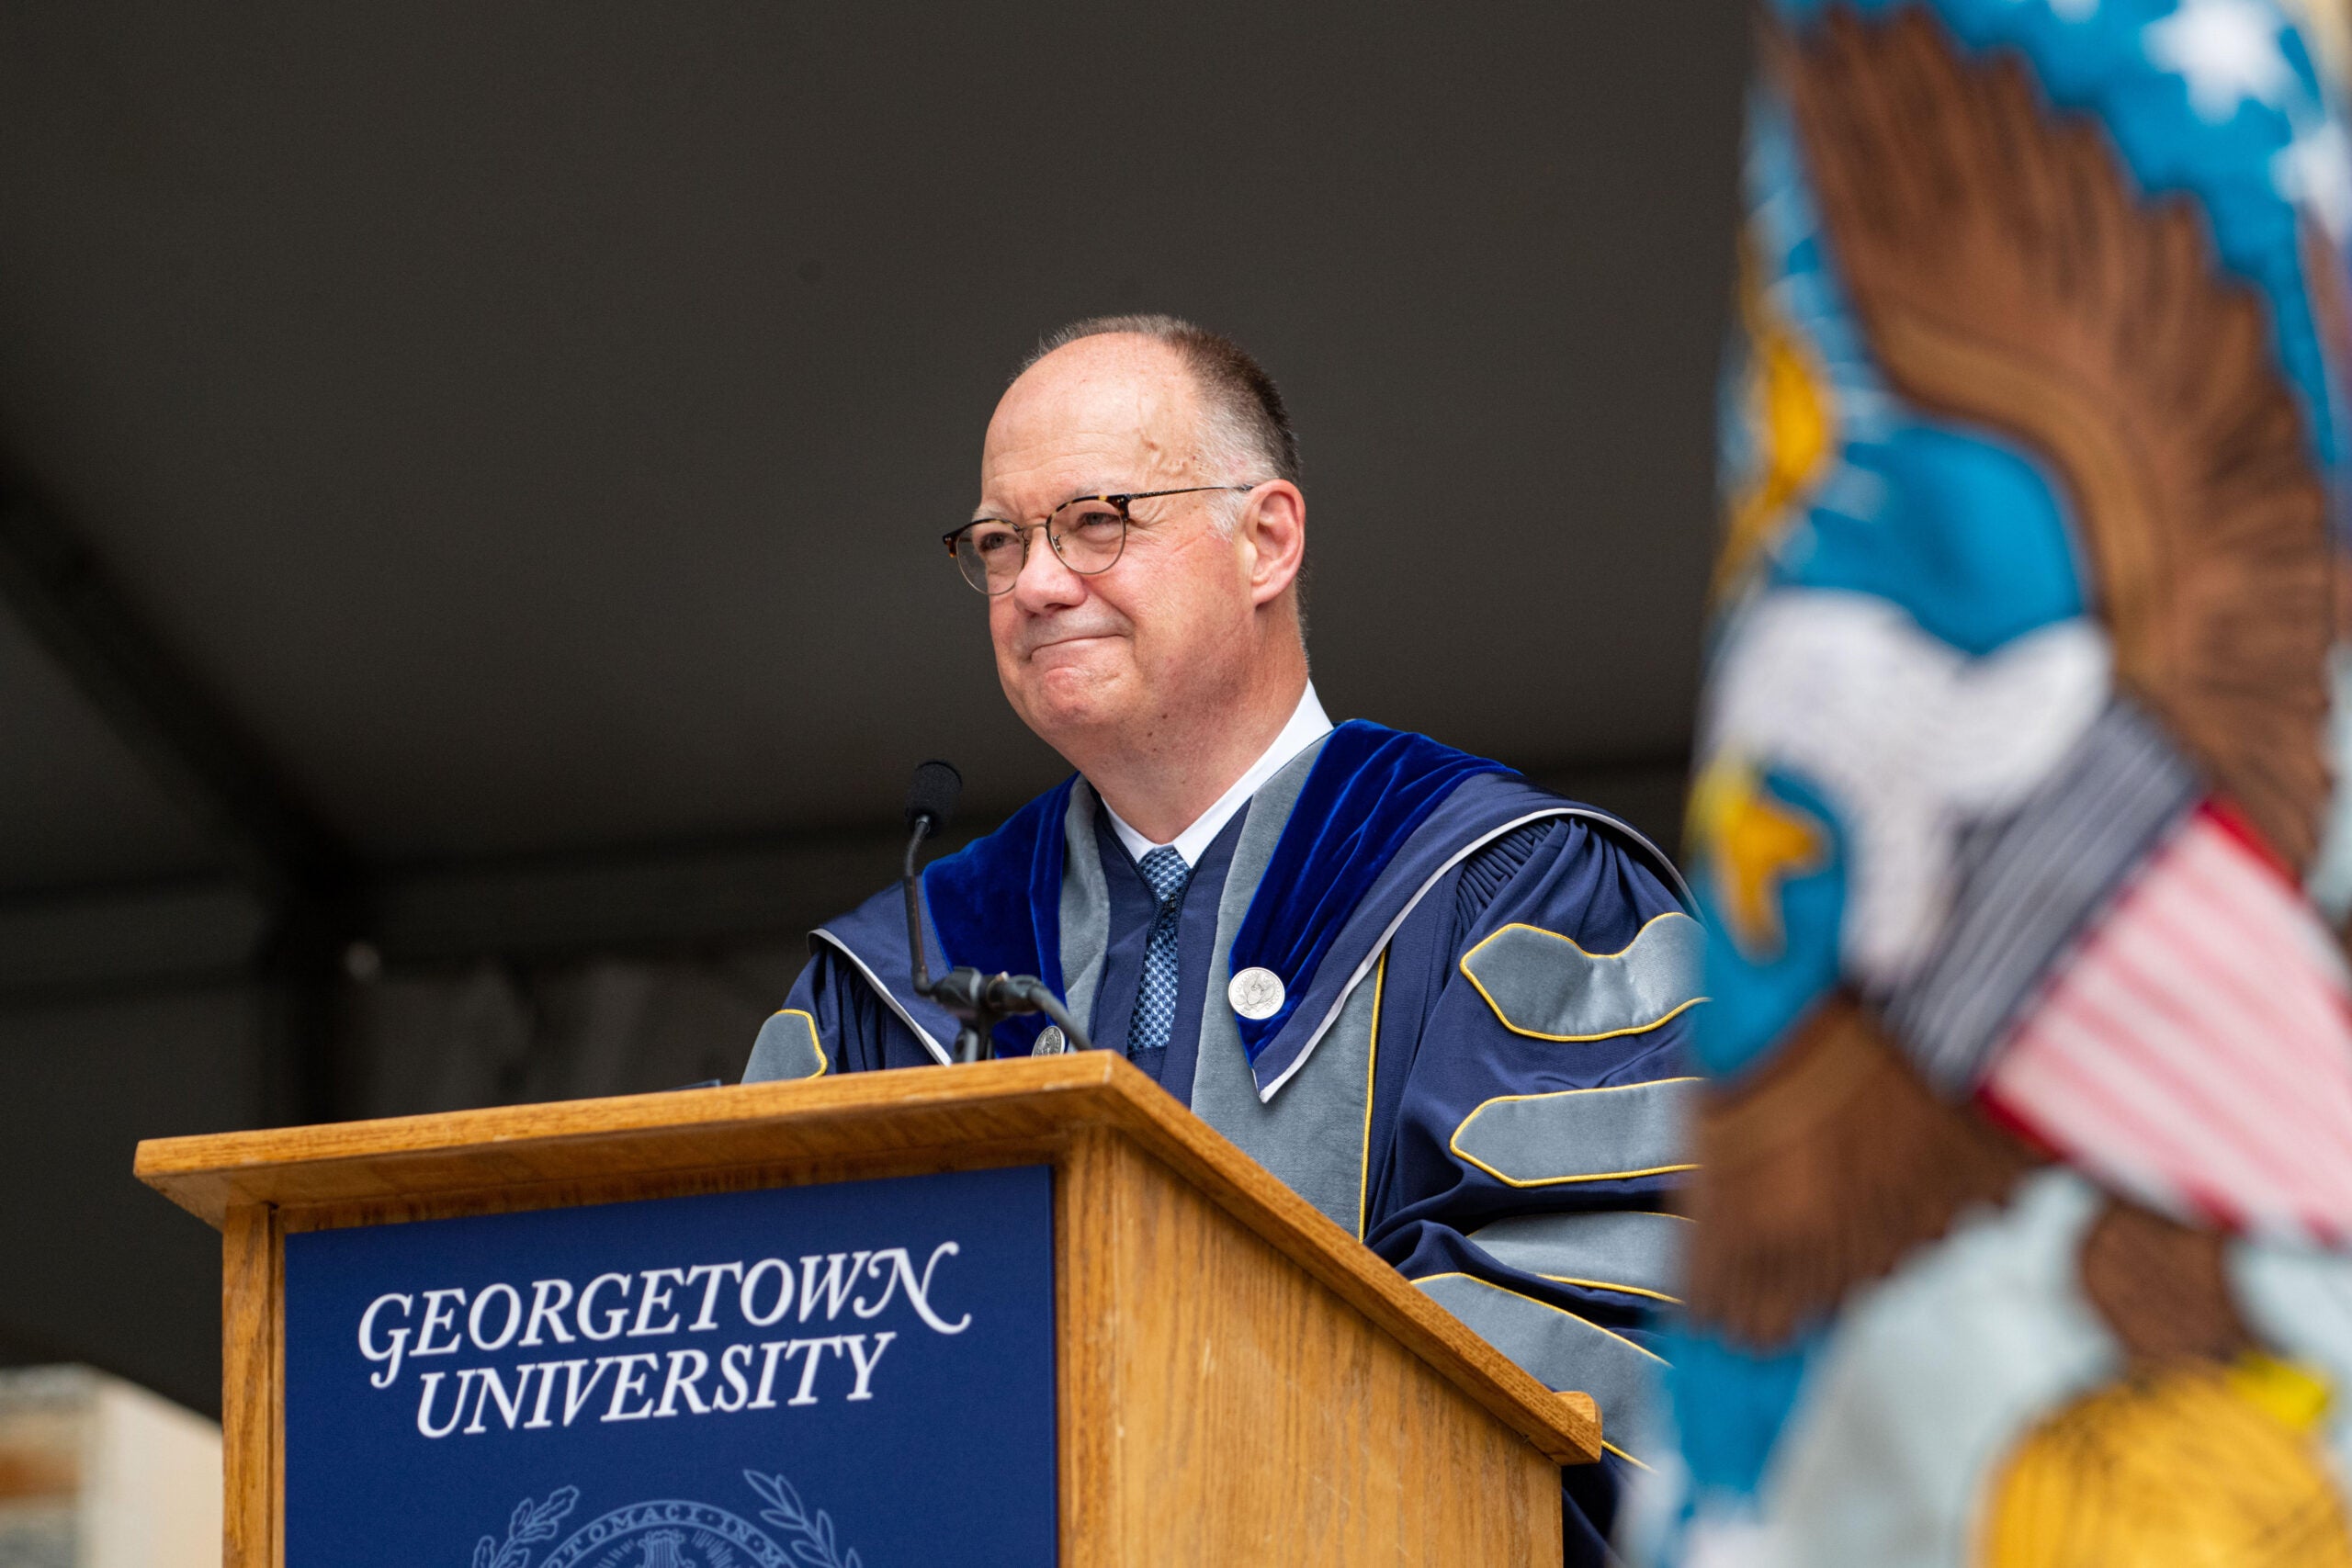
(1505, 974)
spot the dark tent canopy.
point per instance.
(470, 480)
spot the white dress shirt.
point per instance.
(1309, 723)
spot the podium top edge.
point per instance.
(208, 1173)
(1030, 1102)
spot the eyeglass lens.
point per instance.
(1086, 534)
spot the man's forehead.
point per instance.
(1101, 411)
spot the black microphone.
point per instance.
(934, 794)
(977, 1000)
(930, 805)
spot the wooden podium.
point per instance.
(1236, 1380)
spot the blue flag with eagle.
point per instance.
(2020, 815)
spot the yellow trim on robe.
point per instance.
(1547, 1306)
(1496, 1007)
(1454, 1143)
(1457, 1274)
(816, 1041)
(1607, 1285)
(1597, 1284)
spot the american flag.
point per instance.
(2195, 1050)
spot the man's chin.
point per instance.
(1072, 699)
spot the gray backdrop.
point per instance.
(471, 478)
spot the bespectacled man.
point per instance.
(1394, 973)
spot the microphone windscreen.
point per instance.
(934, 793)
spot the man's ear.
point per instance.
(1273, 533)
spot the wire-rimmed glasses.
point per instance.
(1088, 532)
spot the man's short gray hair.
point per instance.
(1246, 436)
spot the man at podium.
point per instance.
(1446, 1007)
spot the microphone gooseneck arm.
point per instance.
(979, 1002)
(1051, 1006)
(923, 825)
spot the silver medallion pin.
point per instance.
(1051, 1042)
(1256, 993)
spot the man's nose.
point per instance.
(1045, 582)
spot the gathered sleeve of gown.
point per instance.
(834, 1021)
(1531, 1096)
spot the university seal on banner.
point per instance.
(672, 1533)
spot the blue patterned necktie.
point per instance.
(1155, 1016)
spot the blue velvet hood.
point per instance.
(1382, 814)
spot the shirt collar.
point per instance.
(1309, 723)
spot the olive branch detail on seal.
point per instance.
(804, 1538)
(532, 1523)
(816, 1546)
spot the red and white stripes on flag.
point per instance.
(2195, 1049)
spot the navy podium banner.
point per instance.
(855, 1375)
